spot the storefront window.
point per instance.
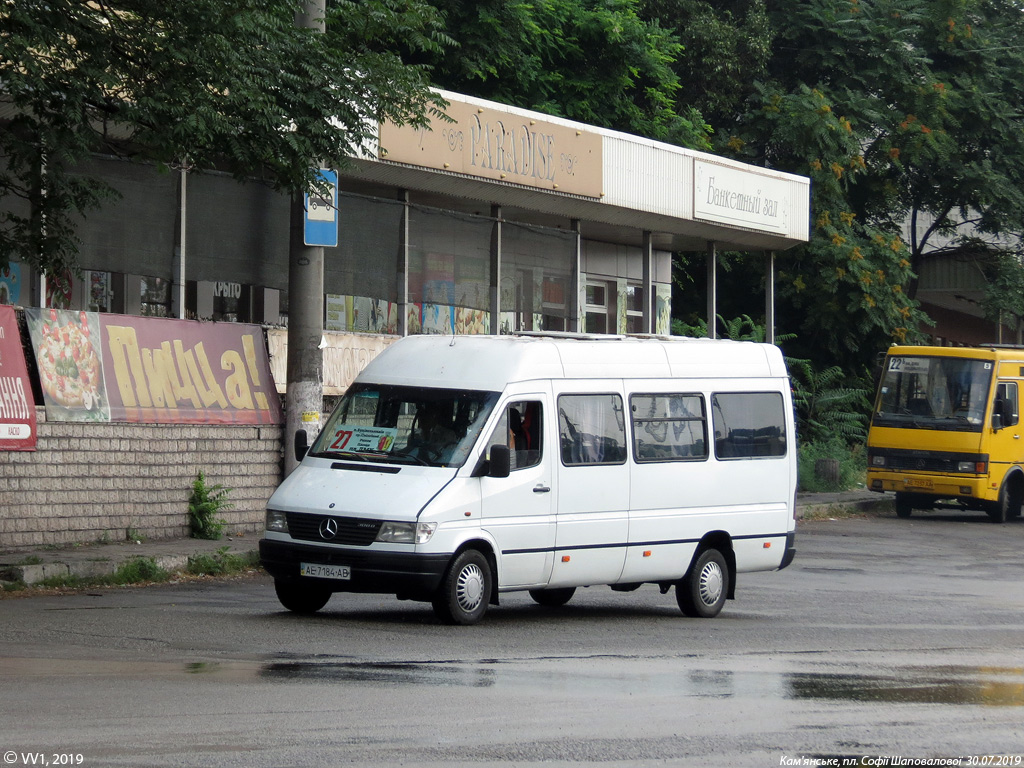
(156, 297)
(596, 296)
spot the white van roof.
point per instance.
(486, 362)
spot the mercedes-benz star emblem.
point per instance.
(329, 528)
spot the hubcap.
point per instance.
(711, 583)
(469, 588)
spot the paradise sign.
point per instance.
(103, 367)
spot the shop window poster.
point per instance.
(10, 284)
(17, 406)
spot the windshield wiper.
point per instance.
(339, 455)
(407, 455)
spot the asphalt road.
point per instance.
(885, 638)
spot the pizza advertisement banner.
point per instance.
(104, 367)
(17, 406)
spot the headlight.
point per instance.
(277, 521)
(406, 533)
(877, 460)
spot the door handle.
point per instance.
(541, 489)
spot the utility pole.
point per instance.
(304, 398)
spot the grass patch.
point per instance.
(850, 463)
(221, 562)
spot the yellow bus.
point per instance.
(945, 428)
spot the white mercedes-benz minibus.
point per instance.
(459, 468)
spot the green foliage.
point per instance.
(852, 462)
(742, 328)
(236, 86)
(205, 503)
(827, 408)
(221, 562)
(596, 61)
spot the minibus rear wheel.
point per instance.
(701, 593)
(552, 598)
(465, 592)
(299, 597)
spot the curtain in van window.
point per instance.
(591, 429)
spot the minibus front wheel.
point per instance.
(299, 597)
(1007, 506)
(465, 591)
(702, 591)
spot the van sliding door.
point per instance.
(593, 486)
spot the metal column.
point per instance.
(712, 289)
(496, 270)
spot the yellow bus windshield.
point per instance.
(920, 392)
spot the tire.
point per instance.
(552, 598)
(300, 597)
(904, 507)
(701, 593)
(1007, 506)
(465, 592)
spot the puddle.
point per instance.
(915, 685)
(951, 685)
(994, 688)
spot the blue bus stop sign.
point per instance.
(320, 220)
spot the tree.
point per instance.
(906, 116)
(595, 61)
(233, 85)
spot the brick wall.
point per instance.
(109, 482)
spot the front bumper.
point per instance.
(410, 575)
(965, 487)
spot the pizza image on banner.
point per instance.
(70, 364)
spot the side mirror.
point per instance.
(301, 444)
(500, 461)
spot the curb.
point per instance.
(858, 507)
(36, 573)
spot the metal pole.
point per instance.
(769, 298)
(403, 266)
(305, 391)
(496, 270)
(712, 289)
(178, 288)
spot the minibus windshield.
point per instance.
(948, 393)
(407, 425)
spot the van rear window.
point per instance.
(748, 425)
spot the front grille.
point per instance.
(924, 461)
(353, 531)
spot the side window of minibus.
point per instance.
(520, 429)
(1006, 403)
(748, 425)
(591, 429)
(668, 427)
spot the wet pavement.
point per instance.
(91, 561)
